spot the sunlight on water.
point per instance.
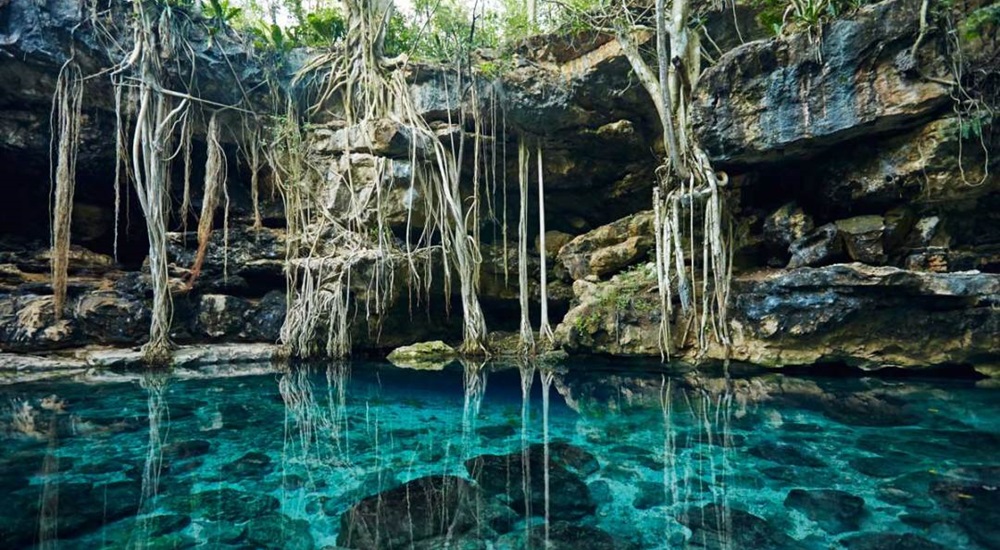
(361, 455)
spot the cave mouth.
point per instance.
(25, 211)
(25, 216)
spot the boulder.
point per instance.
(932, 165)
(822, 246)
(222, 504)
(28, 323)
(865, 316)
(715, 527)
(889, 541)
(239, 261)
(786, 225)
(786, 455)
(83, 508)
(973, 493)
(609, 248)
(253, 465)
(835, 511)
(423, 356)
(563, 535)
(279, 531)
(862, 236)
(554, 241)
(219, 316)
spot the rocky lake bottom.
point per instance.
(363, 455)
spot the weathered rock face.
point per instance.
(846, 313)
(930, 164)
(788, 98)
(609, 248)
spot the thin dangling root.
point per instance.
(66, 115)
(544, 329)
(215, 179)
(527, 335)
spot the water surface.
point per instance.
(365, 455)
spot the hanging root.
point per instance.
(215, 179)
(544, 329)
(152, 148)
(715, 263)
(527, 336)
(327, 241)
(66, 115)
(685, 180)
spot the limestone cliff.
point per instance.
(864, 213)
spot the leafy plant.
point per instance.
(982, 22)
(321, 28)
(270, 37)
(222, 13)
(975, 124)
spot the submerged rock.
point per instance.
(889, 541)
(715, 527)
(785, 454)
(974, 492)
(868, 409)
(506, 476)
(251, 465)
(279, 531)
(222, 505)
(835, 511)
(648, 495)
(563, 536)
(421, 509)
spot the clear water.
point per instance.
(655, 460)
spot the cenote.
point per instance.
(574, 456)
(500, 274)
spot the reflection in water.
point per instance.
(474, 376)
(527, 373)
(546, 375)
(48, 516)
(337, 375)
(158, 414)
(364, 456)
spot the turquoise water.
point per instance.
(364, 455)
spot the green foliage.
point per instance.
(981, 23)
(221, 13)
(495, 68)
(318, 29)
(778, 15)
(629, 291)
(975, 124)
(577, 15)
(321, 28)
(446, 29)
(400, 36)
